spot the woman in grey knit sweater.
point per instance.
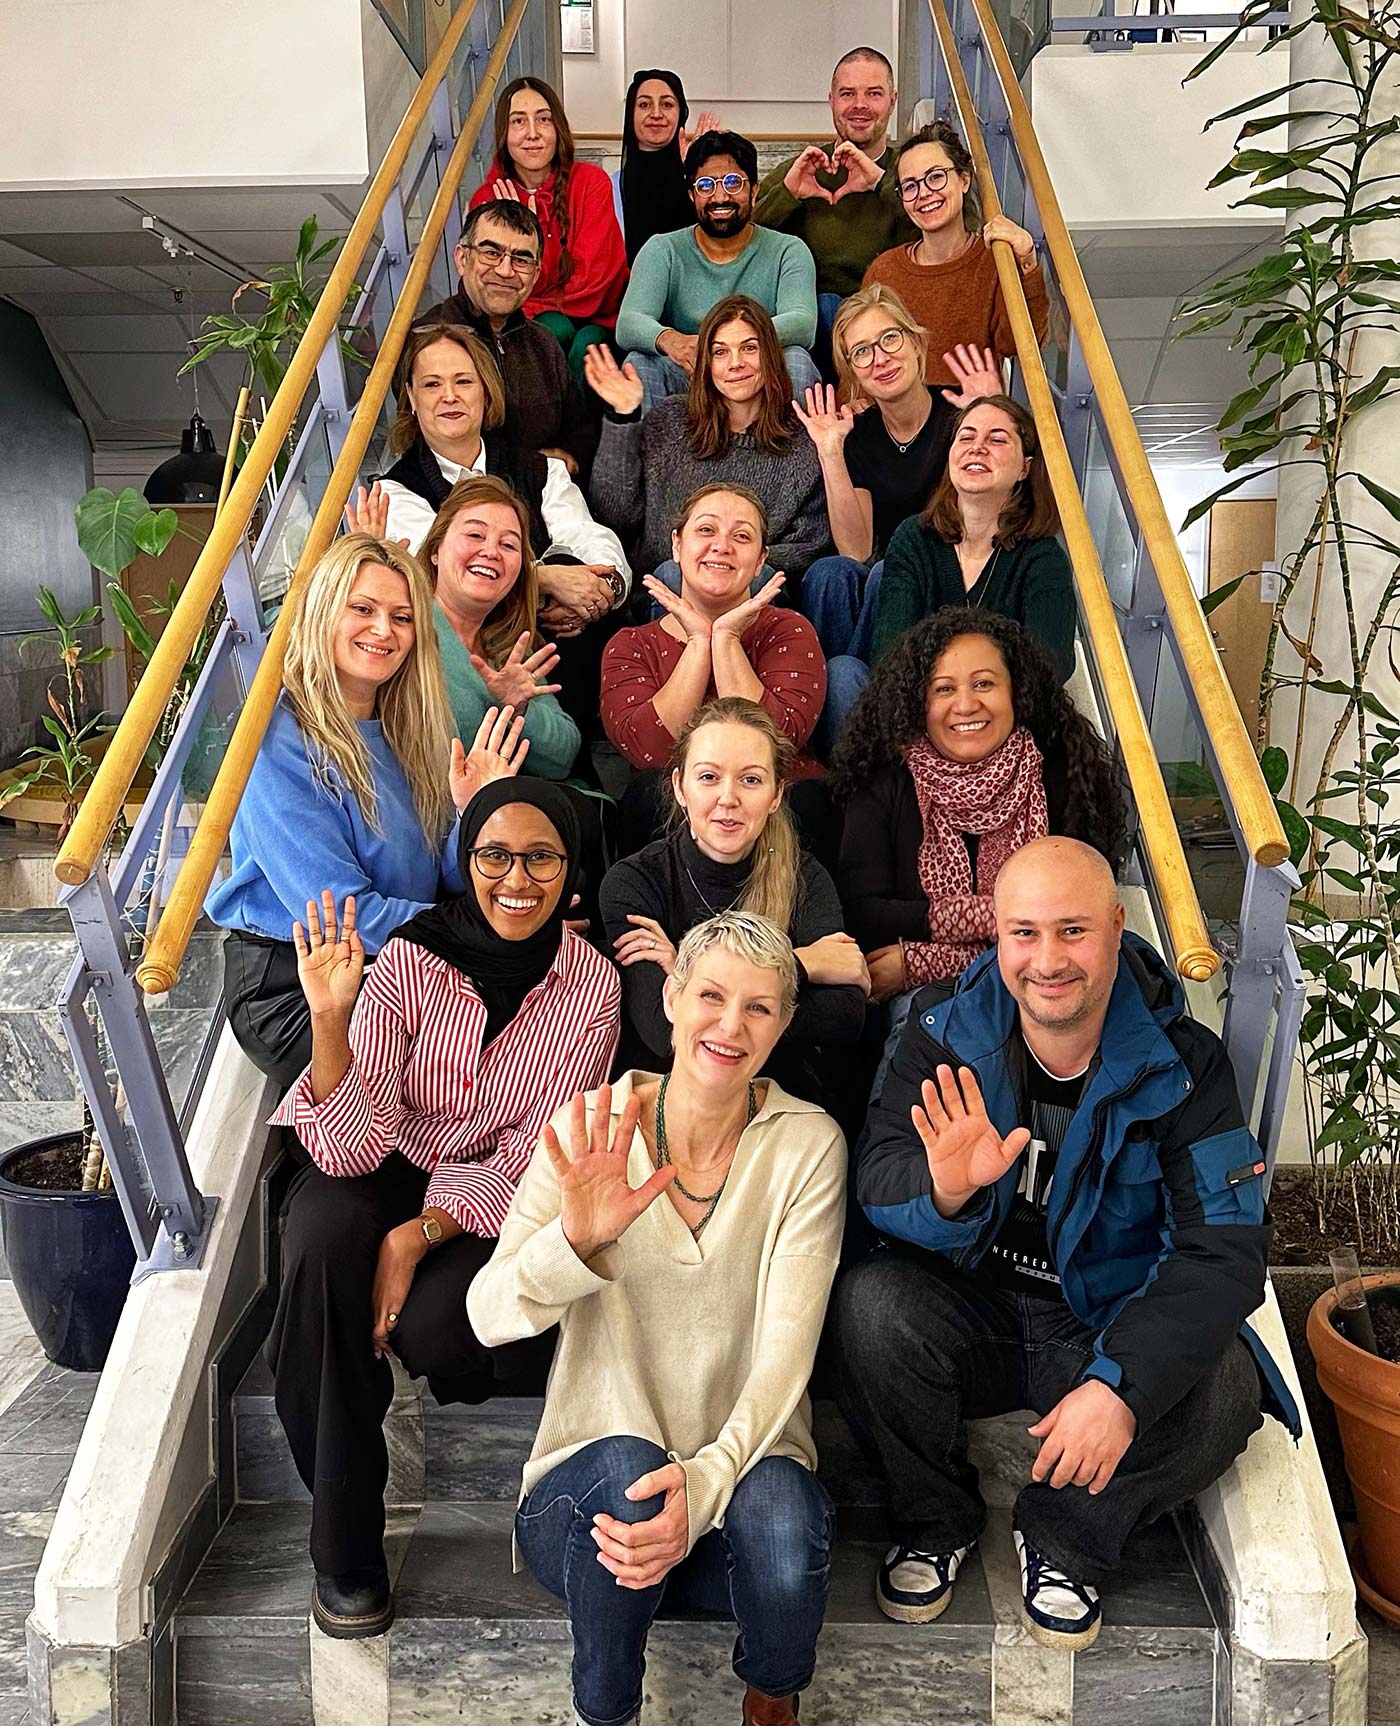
(735, 425)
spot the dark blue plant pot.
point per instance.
(71, 1259)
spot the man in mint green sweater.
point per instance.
(677, 277)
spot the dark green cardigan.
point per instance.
(1029, 582)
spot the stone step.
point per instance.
(473, 1641)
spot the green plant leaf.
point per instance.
(1295, 830)
(1273, 764)
(1286, 198)
(155, 530)
(106, 523)
(1218, 595)
(1387, 499)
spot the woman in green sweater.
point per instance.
(987, 539)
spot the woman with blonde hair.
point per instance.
(882, 441)
(675, 1457)
(733, 846)
(353, 789)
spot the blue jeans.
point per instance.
(846, 676)
(768, 1568)
(663, 377)
(841, 599)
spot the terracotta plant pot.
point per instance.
(1365, 1392)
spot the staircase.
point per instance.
(474, 1642)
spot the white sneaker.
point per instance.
(914, 1587)
(1058, 1612)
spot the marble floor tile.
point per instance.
(19, 1562)
(1031, 1685)
(258, 1571)
(14, 1708)
(1155, 1585)
(240, 1680)
(458, 1567)
(1148, 1677)
(477, 1453)
(32, 1483)
(21, 1358)
(35, 1065)
(1384, 1675)
(48, 1415)
(513, 1677)
(22, 1121)
(349, 1680)
(33, 970)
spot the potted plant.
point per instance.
(1316, 317)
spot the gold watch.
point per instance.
(432, 1230)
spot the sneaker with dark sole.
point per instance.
(351, 1606)
(1058, 1612)
(916, 1587)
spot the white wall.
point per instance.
(142, 93)
(1125, 141)
(764, 68)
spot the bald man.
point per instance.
(1073, 1215)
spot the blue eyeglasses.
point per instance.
(707, 182)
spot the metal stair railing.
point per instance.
(128, 943)
(963, 61)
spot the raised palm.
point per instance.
(618, 385)
(965, 1151)
(597, 1204)
(330, 956)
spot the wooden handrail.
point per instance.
(105, 796)
(1239, 766)
(161, 964)
(1186, 929)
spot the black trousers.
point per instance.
(266, 1009)
(920, 1347)
(331, 1392)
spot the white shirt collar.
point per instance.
(451, 472)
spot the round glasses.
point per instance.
(494, 862)
(493, 256)
(933, 181)
(730, 182)
(863, 355)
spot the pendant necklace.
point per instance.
(983, 580)
(663, 1155)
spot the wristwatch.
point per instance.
(618, 586)
(432, 1230)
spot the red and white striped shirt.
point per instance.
(419, 1082)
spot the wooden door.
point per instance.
(1241, 543)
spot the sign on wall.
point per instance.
(577, 20)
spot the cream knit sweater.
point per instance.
(705, 1347)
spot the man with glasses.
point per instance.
(838, 198)
(677, 277)
(498, 260)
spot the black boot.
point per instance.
(359, 1604)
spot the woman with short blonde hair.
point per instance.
(675, 1455)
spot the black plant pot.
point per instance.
(71, 1259)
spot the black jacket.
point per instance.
(417, 471)
(1157, 1223)
(545, 408)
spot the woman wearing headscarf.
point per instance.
(420, 1108)
(653, 197)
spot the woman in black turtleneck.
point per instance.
(654, 198)
(733, 846)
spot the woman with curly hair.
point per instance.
(963, 748)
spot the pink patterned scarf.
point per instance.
(1002, 800)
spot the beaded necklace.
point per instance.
(663, 1155)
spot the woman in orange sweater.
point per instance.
(584, 267)
(948, 277)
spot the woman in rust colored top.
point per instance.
(948, 277)
(714, 639)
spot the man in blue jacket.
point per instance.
(1073, 1221)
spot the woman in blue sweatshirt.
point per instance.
(353, 789)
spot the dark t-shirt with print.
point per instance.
(1020, 1255)
(900, 482)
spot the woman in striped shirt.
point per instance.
(420, 1109)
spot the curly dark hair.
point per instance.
(890, 713)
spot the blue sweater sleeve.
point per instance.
(795, 306)
(639, 318)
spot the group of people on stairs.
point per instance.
(708, 488)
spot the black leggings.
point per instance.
(332, 1394)
(267, 1011)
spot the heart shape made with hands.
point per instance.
(830, 164)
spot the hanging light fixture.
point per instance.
(195, 475)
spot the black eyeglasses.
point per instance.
(731, 182)
(494, 862)
(493, 256)
(933, 181)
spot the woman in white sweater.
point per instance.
(683, 1234)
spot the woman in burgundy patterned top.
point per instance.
(715, 639)
(425, 1096)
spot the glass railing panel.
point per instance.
(1109, 524)
(285, 532)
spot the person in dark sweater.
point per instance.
(498, 260)
(735, 424)
(962, 749)
(733, 845)
(987, 538)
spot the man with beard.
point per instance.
(677, 277)
(837, 198)
(1073, 1219)
(498, 260)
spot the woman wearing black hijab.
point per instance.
(420, 1109)
(655, 198)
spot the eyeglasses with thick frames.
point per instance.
(732, 183)
(863, 355)
(494, 862)
(933, 181)
(493, 256)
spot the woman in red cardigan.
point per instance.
(714, 639)
(584, 267)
